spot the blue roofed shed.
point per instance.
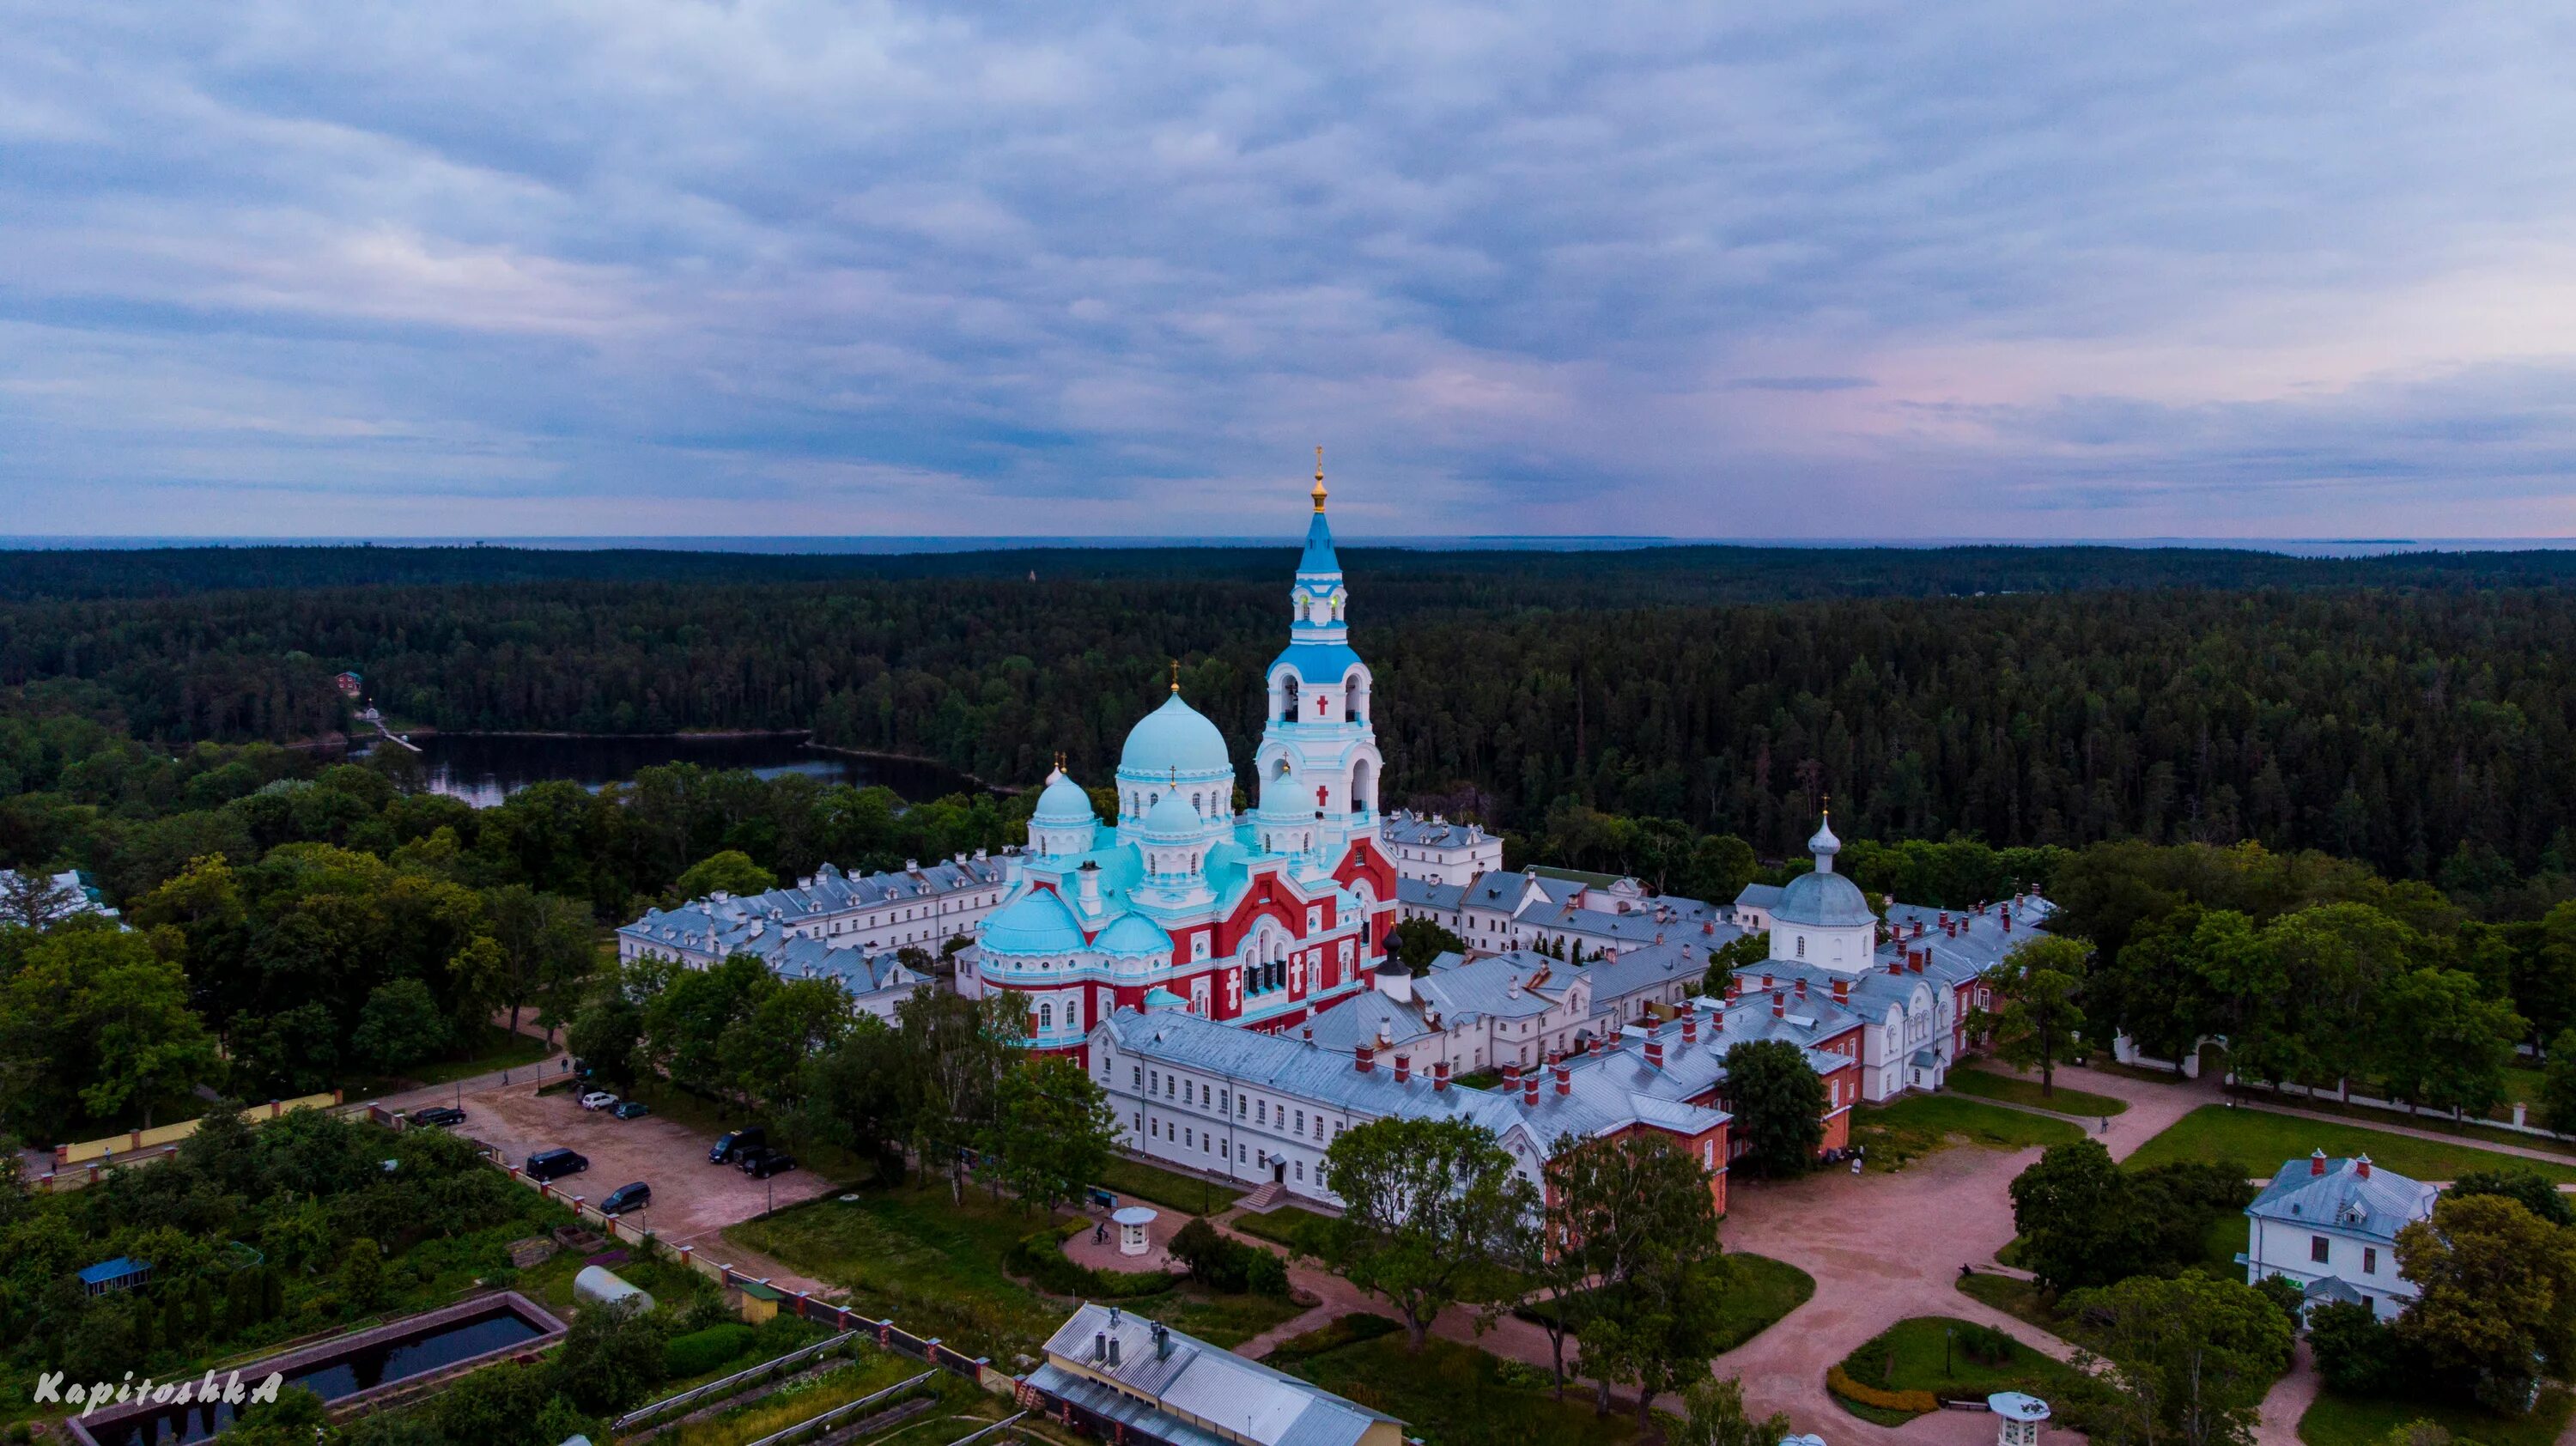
(122, 1273)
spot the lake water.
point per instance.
(482, 769)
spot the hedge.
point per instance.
(1839, 1381)
(702, 1351)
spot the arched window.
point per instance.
(1802, 946)
(1198, 803)
(1046, 1016)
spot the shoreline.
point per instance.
(804, 735)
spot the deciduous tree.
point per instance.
(1430, 1208)
(2194, 1356)
(2038, 1021)
(2497, 1296)
(1778, 1104)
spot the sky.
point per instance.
(621, 267)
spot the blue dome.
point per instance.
(1134, 934)
(1063, 803)
(1174, 738)
(1037, 922)
(1822, 899)
(1174, 818)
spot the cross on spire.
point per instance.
(1318, 493)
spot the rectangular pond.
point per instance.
(345, 1370)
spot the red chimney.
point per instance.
(1440, 1075)
(1914, 960)
(1734, 988)
(1404, 1069)
(1842, 991)
(1366, 1058)
(1918, 928)
(1564, 1078)
(1511, 1074)
(1945, 921)
(1690, 1026)
(2007, 915)
(1802, 986)
(1309, 1033)
(1529, 1091)
(1949, 930)
(1779, 1004)
(1654, 1053)
(1895, 966)
(2361, 1166)
(2317, 1163)
(1766, 978)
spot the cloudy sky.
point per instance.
(547, 267)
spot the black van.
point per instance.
(730, 1146)
(627, 1197)
(554, 1164)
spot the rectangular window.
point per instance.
(1301, 1122)
(1261, 1113)
(1135, 1077)
(2317, 1249)
(2369, 1260)
(1154, 1082)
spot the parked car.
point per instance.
(768, 1163)
(744, 1160)
(627, 1197)
(554, 1164)
(730, 1145)
(629, 1109)
(598, 1100)
(439, 1115)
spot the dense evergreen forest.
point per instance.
(2412, 712)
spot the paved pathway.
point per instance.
(1883, 1247)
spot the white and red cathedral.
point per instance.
(1256, 920)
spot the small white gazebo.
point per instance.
(1131, 1222)
(2020, 1416)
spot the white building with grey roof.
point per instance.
(2330, 1226)
(1115, 1374)
(1436, 850)
(1263, 1108)
(920, 907)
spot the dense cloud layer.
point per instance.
(1976, 269)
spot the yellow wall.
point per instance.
(88, 1150)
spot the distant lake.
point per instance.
(482, 769)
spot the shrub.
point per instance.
(1985, 1345)
(2355, 1354)
(1222, 1263)
(702, 1350)
(1840, 1382)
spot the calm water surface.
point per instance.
(360, 1370)
(484, 769)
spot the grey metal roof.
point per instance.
(1406, 827)
(1757, 896)
(2378, 1204)
(1188, 1376)
(1823, 900)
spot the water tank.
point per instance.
(598, 1285)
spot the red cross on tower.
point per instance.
(1321, 703)
(1321, 793)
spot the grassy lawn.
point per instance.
(1288, 1225)
(2343, 1421)
(1920, 1124)
(2107, 1065)
(1124, 1177)
(1483, 1079)
(1987, 1084)
(2466, 1130)
(1915, 1355)
(2227, 1237)
(1760, 1292)
(1221, 1320)
(933, 1265)
(1454, 1395)
(871, 1372)
(2261, 1140)
(2020, 1299)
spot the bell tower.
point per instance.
(1318, 763)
